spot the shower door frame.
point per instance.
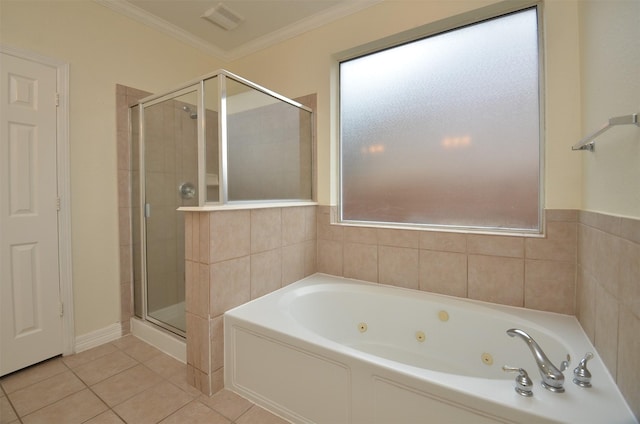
(144, 211)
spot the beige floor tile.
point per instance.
(128, 383)
(227, 403)
(44, 393)
(140, 350)
(82, 358)
(73, 409)
(7, 414)
(125, 341)
(258, 415)
(153, 405)
(33, 374)
(195, 413)
(165, 365)
(104, 367)
(107, 417)
(180, 380)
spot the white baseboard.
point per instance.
(98, 337)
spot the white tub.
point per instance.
(333, 350)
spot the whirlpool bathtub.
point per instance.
(332, 350)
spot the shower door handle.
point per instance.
(147, 210)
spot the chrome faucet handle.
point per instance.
(524, 384)
(581, 375)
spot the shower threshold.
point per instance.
(167, 342)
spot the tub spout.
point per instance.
(552, 377)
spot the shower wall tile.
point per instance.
(361, 235)
(630, 276)
(310, 257)
(293, 226)
(293, 263)
(550, 286)
(197, 342)
(560, 243)
(443, 272)
(445, 242)
(230, 284)
(512, 247)
(266, 229)
(124, 226)
(398, 238)
(188, 236)
(630, 229)
(488, 267)
(125, 264)
(330, 257)
(216, 338)
(361, 261)
(398, 266)
(251, 253)
(496, 279)
(608, 295)
(326, 231)
(124, 193)
(606, 331)
(204, 245)
(311, 223)
(628, 359)
(266, 272)
(586, 302)
(230, 234)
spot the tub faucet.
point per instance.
(552, 377)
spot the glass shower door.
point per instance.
(171, 181)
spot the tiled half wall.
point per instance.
(231, 258)
(608, 295)
(531, 272)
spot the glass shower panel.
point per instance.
(268, 146)
(212, 175)
(171, 181)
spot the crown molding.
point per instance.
(140, 15)
(300, 27)
(129, 10)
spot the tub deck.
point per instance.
(293, 356)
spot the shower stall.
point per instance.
(212, 143)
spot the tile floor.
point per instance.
(125, 381)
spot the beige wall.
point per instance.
(102, 49)
(610, 59)
(608, 273)
(304, 65)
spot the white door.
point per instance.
(30, 308)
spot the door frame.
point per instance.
(64, 189)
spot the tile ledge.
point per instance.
(244, 205)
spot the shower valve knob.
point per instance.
(187, 191)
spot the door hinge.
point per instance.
(61, 308)
(57, 99)
(57, 203)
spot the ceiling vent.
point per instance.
(223, 17)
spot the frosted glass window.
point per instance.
(445, 130)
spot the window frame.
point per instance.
(428, 30)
